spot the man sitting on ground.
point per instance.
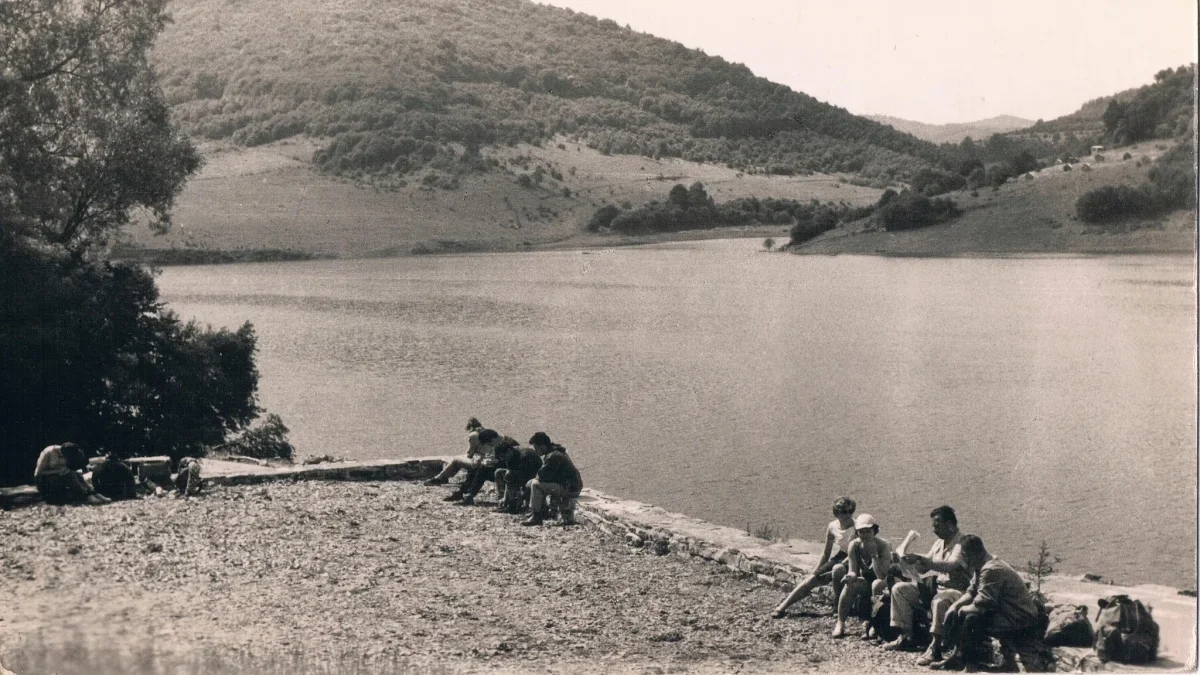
(518, 466)
(998, 605)
(188, 481)
(558, 477)
(59, 476)
(934, 594)
(472, 459)
(113, 478)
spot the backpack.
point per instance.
(1125, 631)
(1069, 627)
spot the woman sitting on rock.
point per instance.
(870, 557)
(838, 536)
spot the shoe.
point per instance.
(778, 613)
(868, 631)
(900, 644)
(436, 481)
(467, 500)
(534, 519)
(97, 500)
(930, 657)
(953, 661)
(453, 496)
(839, 630)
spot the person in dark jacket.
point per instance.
(518, 466)
(113, 478)
(558, 477)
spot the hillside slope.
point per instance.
(1031, 215)
(270, 197)
(954, 133)
(399, 88)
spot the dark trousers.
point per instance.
(477, 477)
(972, 633)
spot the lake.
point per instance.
(1043, 397)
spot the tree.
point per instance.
(86, 139)
(1043, 567)
(87, 352)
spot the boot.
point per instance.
(436, 480)
(453, 496)
(535, 518)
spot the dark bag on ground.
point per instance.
(1125, 631)
(1069, 627)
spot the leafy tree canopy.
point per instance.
(86, 140)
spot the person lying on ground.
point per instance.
(558, 477)
(58, 476)
(518, 466)
(997, 605)
(113, 478)
(188, 481)
(490, 442)
(838, 535)
(932, 593)
(869, 557)
(472, 459)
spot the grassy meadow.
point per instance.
(270, 197)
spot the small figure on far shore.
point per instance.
(59, 476)
(832, 568)
(558, 477)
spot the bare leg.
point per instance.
(798, 593)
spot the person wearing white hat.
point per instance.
(869, 557)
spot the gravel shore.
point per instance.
(324, 577)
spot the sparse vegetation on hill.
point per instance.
(691, 208)
(396, 87)
(1171, 185)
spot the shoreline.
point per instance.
(594, 243)
(390, 577)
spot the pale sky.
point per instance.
(934, 61)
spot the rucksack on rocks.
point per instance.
(1125, 631)
(1069, 627)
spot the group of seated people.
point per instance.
(60, 477)
(524, 476)
(961, 593)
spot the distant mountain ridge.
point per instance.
(393, 88)
(956, 132)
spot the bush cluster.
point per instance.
(1171, 185)
(910, 210)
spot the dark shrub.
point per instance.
(1113, 203)
(265, 441)
(911, 210)
(602, 218)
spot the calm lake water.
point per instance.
(1044, 398)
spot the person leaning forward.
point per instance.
(997, 605)
(934, 593)
(492, 444)
(558, 477)
(59, 476)
(518, 466)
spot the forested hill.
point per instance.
(392, 87)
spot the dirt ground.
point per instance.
(377, 577)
